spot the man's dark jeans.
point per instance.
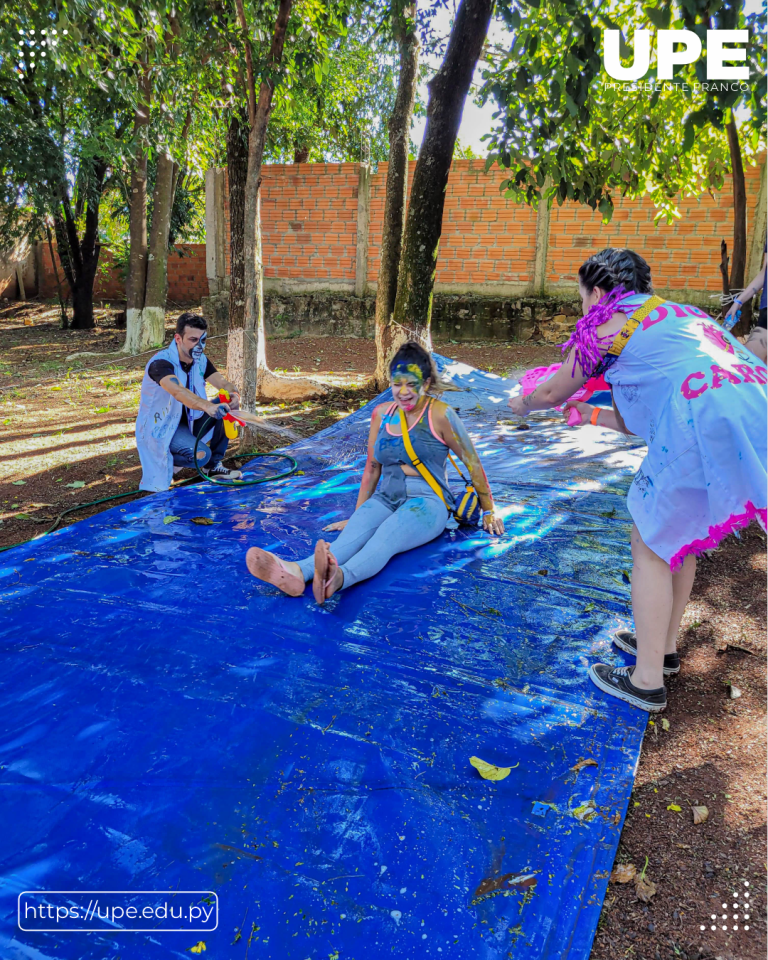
(183, 444)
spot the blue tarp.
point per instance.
(168, 722)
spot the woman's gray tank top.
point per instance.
(389, 450)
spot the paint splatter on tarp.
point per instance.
(167, 722)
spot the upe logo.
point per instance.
(668, 57)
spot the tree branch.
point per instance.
(251, 87)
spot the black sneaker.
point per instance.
(626, 640)
(220, 472)
(616, 681)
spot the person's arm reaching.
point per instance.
(747, 293)
(221, 383)
(215, 410)
(371, 473)
(554, 391)
(454, 434)
(603, 418)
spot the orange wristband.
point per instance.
(595, 415)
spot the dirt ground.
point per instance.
(66, 437)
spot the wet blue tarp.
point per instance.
(168, 722)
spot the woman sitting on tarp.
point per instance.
(404, 499)
(698, 399)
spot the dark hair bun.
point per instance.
(616, 267)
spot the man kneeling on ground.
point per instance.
(173, 405)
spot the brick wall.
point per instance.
(309, 221)
(685, 254)
(486, 239)
(187, 282)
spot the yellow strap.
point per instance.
(622, 337)
(415, 460)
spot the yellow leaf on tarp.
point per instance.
(199, 947)
(169, 519)
(586, 762)
(585, 811)
(674, 808)
(700, 814)
(623, 873)
(488, 771)
(202, 521)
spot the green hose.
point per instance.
(242, 483)
(128, 493)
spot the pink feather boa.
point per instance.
(584, 340)
(719, 532)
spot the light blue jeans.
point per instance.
(376, 532)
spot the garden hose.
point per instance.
(254, 454)
(128, 493)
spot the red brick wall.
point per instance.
(187, 281)
(186, 273)
(683, 254)
(309, 222)
(485, 239)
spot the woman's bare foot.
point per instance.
(285, 575)
(334, 578)
(322, 554)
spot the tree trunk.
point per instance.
(64, 317)
(81, 258)
(447, 93)
(739, 252)
(82, 306)
(237, 171)
(388, 335)
(136, 283)
(153, 318)
(246, 355)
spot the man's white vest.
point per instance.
(159, 416)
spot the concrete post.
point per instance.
(215, 231)
(363, 223)
(539, 283)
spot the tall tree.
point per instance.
(246, 352)
(169, 75)
(60, 135)
(395, 200)
(447, 93)
(237, 174)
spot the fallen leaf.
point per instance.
(77, 484)
(674, 807)
(623, 873)
(19, 483)
(645, 889)
(664, 723)
(199, 947)
(586, 762)
(169, 519)
(589, 608)
(202, 521)
(584, 811)
(488, 771)
(700, 814)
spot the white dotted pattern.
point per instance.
(735, 917)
